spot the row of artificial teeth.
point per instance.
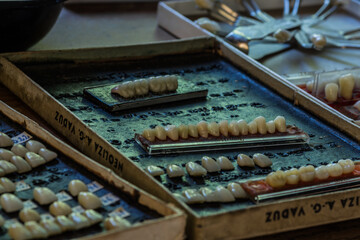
(224, 128)
(309, 173)
(142, 87)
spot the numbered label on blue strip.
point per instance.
(109, 199)
(21, 138)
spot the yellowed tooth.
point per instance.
(18, 231)
(261, 124)
(59, 208)
(34, 146)
(6, 154)
(195, 170)
(310, 85)
(5, 140)
(141, 87)
(172, 132)
(7, 167)
(321, 173)
(28, 214)
(347, 165)
(65, 223)
(234, 129)
(292, 176)
(224, 128)
(163, 87)
(270, 127)
(171, 83)
(89, 200)
(116, 222)
(44, 195)
(160, 133)
(193, 196)
(334, 169)
(10, 203)
(19, 150)
(318, 40)
(76, 186)
(210, 164)
(209, 195)
(120, 90)
(193, 131)
(276, 179)
(261, 160)
(245, 161)
(37, 231)
(129, 88)
(93, 216)
(347, 84)
(236, 190)
(154, 171)
(149, 134)
(280, 124)
(225, 163)
(202, 128)
(80, 221)
(307, 173)
(51, 227)
(224, 195)
(47, 154)
(34, 160)
(21, 165)
(282, 35)
(184, 131)
(8, 185)
(214, 129)
(173, 170)
(331, 92)
(253, 129)
(243, 127)
(155, 84)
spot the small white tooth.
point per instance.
(261, 160)
(243, 126)
(7, 167)
(321, 173)
(357, 105)
(44, 195)
(6, 154)
(214, 129)
(195, 170)
(65, 223)
(347, 165)
(93, 216)
(224, 194)
(310, 85)
(224, 128)
(202, 128)
(331, 92)
(234, 129)
(34, 146)
(172, 132)
(270, 127)
(77, 186)
(19, 150)
(89, 200)
(210, 164)
(154, 171)
(347, 83)
(10, 203)
(37, 231)
(8, 185)
(155, 84)
(80, 221)
(51, 227)
(318, 40)
(59, 208)
(116, 222)
(47, 154)
(236, 190)
(334, 169)
(21, 165)
(184, 131)
(28, 214)
(292, 176)
(149, 134)
(160, 133)
(280, 124)
(34, 160)
(193, 196)
(5, 140)
(173, 170)
(206, 4)
(253, 129)
(225, 164)
(18, 231)
(193, 131)
(171, 83)
(307, 173)
(245, 161)
(209, 195)
(261, 124)
(276, 179)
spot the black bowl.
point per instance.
(23, 23)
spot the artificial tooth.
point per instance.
(93, 216)
(236, 190)
(154, 171)
(243, 127)
(184, 131)
(276, 179)
(89, 200)
(172, 132)
(224, 195)
(19, 150)
(77, 186)
(21, 165)
(193, 131)
(208, 24)
(280, 124)
(2, 221)
(261, 124)
(234, 128)
(214, 129)
(47, 154)
(307, 173)
(253, 129)
(34, 146)
(193, 196)
(202, 128)
(224, 128)
(334, 169)
(155, 84)
(129, 87)
(59, 208)
(5, 140)
(173, 170)
(7, 167)
(347, 165)
(28, 214)
(357, 105)
(120, 90)
(209, 195)
(37, 231)
(34, 160)
(310, 85)
(195, 170)
(282, 35)
(116, 222)
(160, 133)
(225, 163)
(261, 160)
(292, 176)
(245, 161)
(18, 231)
(8, 185)
(51, 227)
(162, 82)
(44, 195)
(206, 4)
(6, 154)
(141, 87)
(347, 84)
(138, 89)
(270, 127)
(322, 172)
(210, 164)
(149, 134)
(331, 92)
(171, 83)
(10, 203)
(318, 40)
(80, 221)
(65, 223)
